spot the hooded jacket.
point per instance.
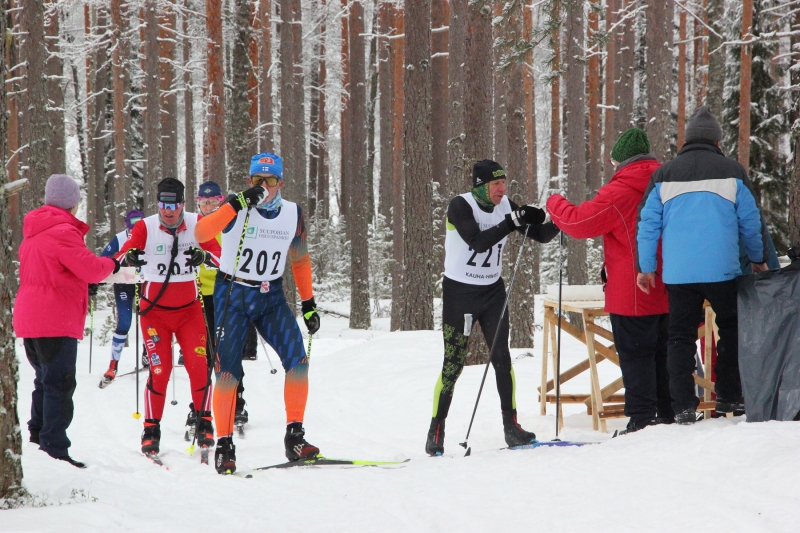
(612, 215)
(55, 270)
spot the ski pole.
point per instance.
(137, 414)
(308, 352)
(218, 335)
(558, 340)
(272, 368)
(91, 331)
(174, 379)
(494, 342)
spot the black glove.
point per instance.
(249, 198)
(527, 214)
(93, 289)
(116, 265)
(133, 257)
(310, 315)
(194, 257)
(547, 232)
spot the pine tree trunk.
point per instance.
(120, 80)
(98, 153)
(500, 152)
(11, 449)
(681, 80)
(609, 132)
(358, 216)
(555, 100)
(457, 168)
(315, 144)
(239, 122)
(440, 14)
(594, 179)
(55, 90)
(658, 38)
(417, 305)
(745, 82)
(152, 114)
(716, 60)
(625, 65)
(346, 144)
(323, 180)
(397, 52)
(35, 120)
(533, 152)
(188, 114)
(385, 111)
(265, 90)
(701, 56)
(13, 91)
(574, 140)
(169, 98)
(794, 180)
(216, 90)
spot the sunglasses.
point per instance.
(171, 206)
(271, 181)
(209, 201)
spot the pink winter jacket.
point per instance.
(55, 269)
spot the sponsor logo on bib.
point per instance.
(251, 233)
(161, 249)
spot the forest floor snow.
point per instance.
(370, 398)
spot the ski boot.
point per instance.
(205, 433)
(145, 358)
(730, 406)
(191, 420)
(636, 425)
(434, 446)
(180, 358)
(686, 417)
(515, 435)
(225, 456)
(110, 374)
(240, 417)
(296, 445)
(151, 437)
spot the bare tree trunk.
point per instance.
(35, 120)
(372, 100)
(101, 100)
(794, 187)
(11, 449)
(385, 111)
(594, 178)
(440, 14)
(457, 167)
(169, 98)
(745, 82)
(55, 90)
(701, 35)
(555, 99)
(120, 80)
(265, 93)
(609, 137)
(152, 114)
(417, 310)
(13, 89)
(323, 181)
(398, 98)
(239, 122)
(530, 132)
(358, 215)
(574, 140)
(625, 63)
(500, 150)
(346, 120)
(658, 37)
(188, 114)
(716, 60)
(216, 89)
(682, 80)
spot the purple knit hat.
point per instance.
(62, 191)
(132, 215)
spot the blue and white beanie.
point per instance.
(267, 163)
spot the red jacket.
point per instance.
(55, 269)
(612, 214)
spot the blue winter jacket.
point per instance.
(699, 204)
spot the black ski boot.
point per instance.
(241, 416)
(145, 358)
(730, 406)
(435, 444)
(225, 456)
(296, 445)
(205, 433)
(515, 435)
(636, 425)
(686, 417)
(70, 460)
(151, 436)
(191, 420)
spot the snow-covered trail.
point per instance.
(370, 398)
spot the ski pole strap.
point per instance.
(173, 255)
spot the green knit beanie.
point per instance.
(632, 142)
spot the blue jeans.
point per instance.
(53, 360)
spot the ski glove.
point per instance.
(527, 214)
(93, 289)
(194, 257)
(249, 198)
(310, 315)
(547, 232)
(116, 265)
(133, 257)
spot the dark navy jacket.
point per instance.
(700, 204)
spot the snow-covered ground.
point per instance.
(370, 398)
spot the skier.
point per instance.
(170, 304)
(275, 231)
(55, 269)
(639, 321)
(209, 198)
(124, 294)
(478, 225)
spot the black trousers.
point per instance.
(53, 360)
(483, 304)
(641, 342)
(685, 310)
(208, 308)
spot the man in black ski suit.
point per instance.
(478, 225)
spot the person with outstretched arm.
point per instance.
(478, 224)
(274, 235)
(697, 207)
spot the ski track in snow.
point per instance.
(370, 398)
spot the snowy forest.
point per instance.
(379, 108)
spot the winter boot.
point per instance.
(636, 425)
(205, 431)
(686, 417)
(225, 456)
(296, 445)
(191, 420)
(241, 416)
(70, 460)
(34, 435)
(111, 373)
(515, 435)
(435, 444)
(151, 436)
(730, 406)
(145, 358)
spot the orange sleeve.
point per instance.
(301, 268)
(211, 225)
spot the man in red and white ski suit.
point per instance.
(169, 304)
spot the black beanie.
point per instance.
(485, 171)
(703, 126)
(170, 191)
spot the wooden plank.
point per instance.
(608, 391)
(568, 398)
(603, 332)
(597, 401)
(706, 384)
(543, 387)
